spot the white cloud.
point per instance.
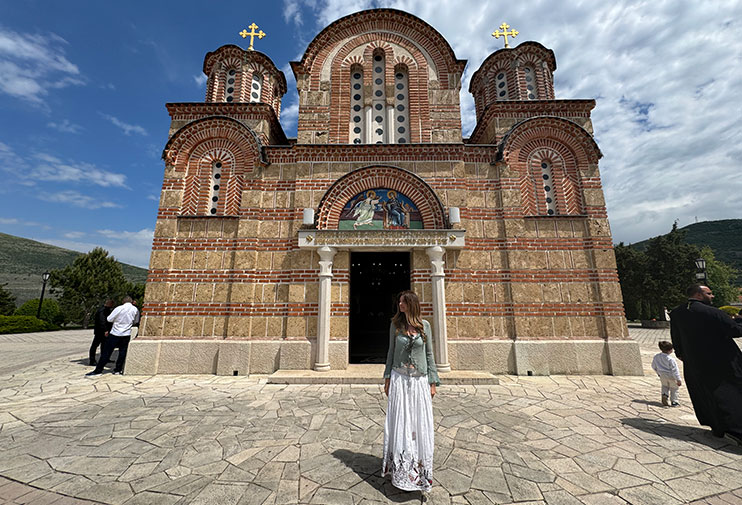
(46, 167)
(19, 222)
(77, 199)
(65, 126)
(31, 64)
(131, 247)
(74, 235)
(127, 128)
(200, 80)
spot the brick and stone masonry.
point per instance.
(240, 285)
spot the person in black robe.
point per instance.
(101, 327)
(712, 363)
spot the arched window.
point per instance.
(530, 76)
(357, 114)
(216, 184)
(229, 85)
(256, 87)
(549, 193)
(378, 121)
(401, 111)
(501, 85)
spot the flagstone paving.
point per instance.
(560, 440)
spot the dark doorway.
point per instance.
(375, 281)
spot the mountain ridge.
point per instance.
(23, 261)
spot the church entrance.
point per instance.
(376, 278)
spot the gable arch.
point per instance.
(562, 144)
(405, 182)
(193, 149)
(381, 20)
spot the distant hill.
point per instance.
(724, 237)
(22, 261)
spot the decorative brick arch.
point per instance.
(216, 64)
(376, 21)
(342, 63)
(402, 181)
(192, 150)
(566, 145)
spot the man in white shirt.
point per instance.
(123, 318)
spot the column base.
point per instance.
(443, 367)
(322, 367)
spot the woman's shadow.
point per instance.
(368, 468)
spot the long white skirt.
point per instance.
(408, 433)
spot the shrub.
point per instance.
(50, 311)
(23, 324)
(732, 311)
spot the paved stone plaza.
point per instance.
(594, 440)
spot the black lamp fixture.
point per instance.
(44, 277)
(701, 267)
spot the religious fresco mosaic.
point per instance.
(380, 209)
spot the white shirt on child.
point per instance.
(665, 366)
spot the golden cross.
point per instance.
(252, 33)
(497, 34)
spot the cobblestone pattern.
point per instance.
(591, 440)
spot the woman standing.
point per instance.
(410, 381)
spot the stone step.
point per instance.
(372, 374)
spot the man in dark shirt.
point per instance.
(100, 329)
(712, 363)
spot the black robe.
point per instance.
(712, 363)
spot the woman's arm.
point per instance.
(433, 378)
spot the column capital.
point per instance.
(326, 255)
(436, 254)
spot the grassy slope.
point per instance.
(724, 237)
(22, 261)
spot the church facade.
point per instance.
(273, 253)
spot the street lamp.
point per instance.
(701, 267)
(44, 277)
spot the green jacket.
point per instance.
(420, 354)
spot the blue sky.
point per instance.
(83, 87)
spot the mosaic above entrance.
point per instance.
(380, 209)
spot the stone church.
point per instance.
(274, 253)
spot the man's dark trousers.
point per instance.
(99, 339)
(111, 343)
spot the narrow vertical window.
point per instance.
(229, 85)
(548, 177)
(216, 184)
(357, 123)
(501, 86)
(256, 86)
(530, 76)
(401, 113)
(378, 124)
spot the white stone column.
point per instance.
(326, 254)
(440, 338)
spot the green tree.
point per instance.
(670, 270)
(50, 311)
(720, 279)
(7, 301)
(632, 272)
(86, 283)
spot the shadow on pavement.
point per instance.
(368, 468)
(683, 433)
(647, 402)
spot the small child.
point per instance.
(667, 368)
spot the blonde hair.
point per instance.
(412, 317)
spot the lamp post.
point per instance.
(44, 277)
(701, 267)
